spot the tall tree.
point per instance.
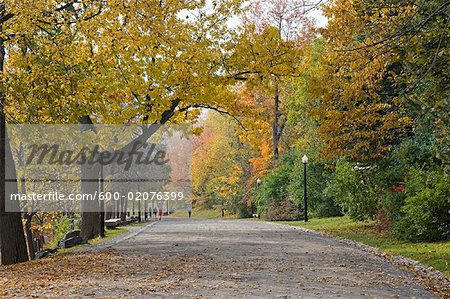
(17, 21)
(136, 62)
(359, 117)
(220, 166)
(270, 50)
(379, 70)
(12, 238)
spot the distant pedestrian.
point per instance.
(190, 211)
(155, 212)
(160, 214)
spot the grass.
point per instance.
(109, 233)
(435, 254)
(139, 223)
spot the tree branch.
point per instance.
(223, 112)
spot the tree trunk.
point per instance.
(123, 213)
(139, 212)
(276, 123)
(102, 205)
(90, 215)
(28, 218)
(145, 211)
(30, 244)
(12, 239)
(13, 247)
(90, 224)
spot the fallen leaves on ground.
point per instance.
(85, 274)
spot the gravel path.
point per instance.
(257, 259)
(197, 258)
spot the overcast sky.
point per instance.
(321, 20)
(316, 14)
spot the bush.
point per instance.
(63, 226)
(243, 211)
(354, 190)
(426, 213)
(319, 203)
(274, 184)
(390, 208)
(286, 182)
(284, 210)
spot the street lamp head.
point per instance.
(304, 159)
(258, 181)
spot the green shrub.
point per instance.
(274, 184)
(63, 226)
(426, 213)
(242, 210)
(284, 210)
(354, 190)
(286, 182)
(319, 203)
(390, 208)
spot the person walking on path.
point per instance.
(190, 211)
(160, 213)
(155, 212)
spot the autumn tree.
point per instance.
(122, 63)
(20, 24)
(14, 21)
(358, 119)
(221, 165)
(381, 113)
(269, 51)
(378, 68)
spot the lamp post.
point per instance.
(305, 203)
(258, 183)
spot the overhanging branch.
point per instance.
(220, 111)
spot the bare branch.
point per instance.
(220, 111)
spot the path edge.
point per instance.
(113, 241)
(430, 278)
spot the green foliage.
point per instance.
(408, 193)
(391, 204)
(62, 227)
(420, 149)
(241, 210)
(354, 191)
(426, 210)
(274, 186)
(286, 182)
(320, 204)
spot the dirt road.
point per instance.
(196, 258)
